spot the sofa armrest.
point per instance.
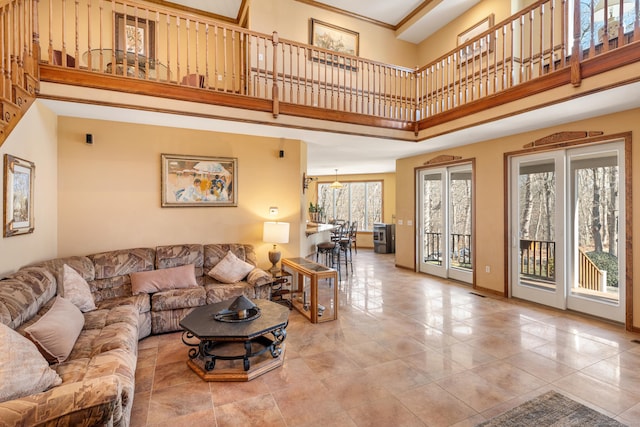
(258, 277)
(89, 402)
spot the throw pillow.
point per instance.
(56, 332)
(148, 282)
(230, 269)
(76, 289)
(23, 370)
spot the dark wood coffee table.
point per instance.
(215, 353)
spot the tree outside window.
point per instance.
(355, 201)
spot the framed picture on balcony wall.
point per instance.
(336, 39)
(189, 181)
(481, 46)
(19, 177)
(135, 36)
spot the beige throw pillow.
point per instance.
(23, 370)
(148, 282)
(230, 269)
(76, 289)
(56, 332)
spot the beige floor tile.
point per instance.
(255, 411)
(606, 396)
(384, 413)
(435, 407)
(408, 349)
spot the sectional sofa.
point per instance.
(69, 327)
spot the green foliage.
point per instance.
(609, 263)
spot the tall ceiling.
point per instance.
(413, 20)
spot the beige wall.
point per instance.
(364, 239)
(34, 139)
(446, 38)
(291, 20)
(490, 220)
(109, 192)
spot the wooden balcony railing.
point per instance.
(18, 62)
(143, 42)
(123, 45)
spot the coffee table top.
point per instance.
(200, 322)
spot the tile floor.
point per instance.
(407, 350)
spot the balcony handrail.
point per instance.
(216, 56)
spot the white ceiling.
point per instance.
(434, 15)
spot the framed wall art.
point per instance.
(19, 178)
(482, 45)
(189, 181)
(135, 36)
(332, 37)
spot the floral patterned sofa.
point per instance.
(136, 292)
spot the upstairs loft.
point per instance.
(145, 50)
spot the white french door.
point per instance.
(567, 242)
(445, 222)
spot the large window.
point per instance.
(355, 201)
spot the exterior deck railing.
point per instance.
(537, 259)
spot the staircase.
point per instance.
(19, 80)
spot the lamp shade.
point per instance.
(275, 232)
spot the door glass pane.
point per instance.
(537, 205)
(597, 210)
(433, 226)
(374, 206)
(460, 220)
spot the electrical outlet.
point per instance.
(487, 269)
(399, 222)
(409, 222)
(219, 77)
(260, 57)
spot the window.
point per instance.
(355, 201)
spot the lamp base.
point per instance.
(274, 257)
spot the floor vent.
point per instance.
(478, 295)
(635, 341)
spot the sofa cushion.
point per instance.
(217, 292)
(178, 298)
(23, 370)
(56, 332)
(259, 277)
(231, 269)
(76, 289)
(177, 255)
(163, 280)
(24, 293)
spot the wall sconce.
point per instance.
(305, 181)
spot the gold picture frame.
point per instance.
(335, 39)
(19, 176)
(196, 181)
(483, 46)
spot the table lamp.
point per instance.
(275, 232)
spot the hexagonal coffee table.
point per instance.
(216, 354)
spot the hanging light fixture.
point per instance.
(336, 185)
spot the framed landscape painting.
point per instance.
(482, 45)
(189, 181)
(19, 177)
(332, 37)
